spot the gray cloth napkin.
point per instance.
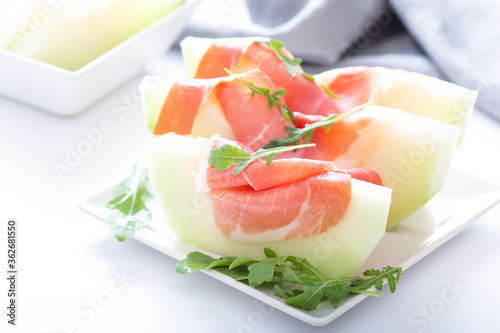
(458, 40)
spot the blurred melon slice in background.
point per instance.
(70, 34)
(12, 16)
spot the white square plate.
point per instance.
(462, 200)
(65, 92)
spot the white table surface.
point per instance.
(68, 259)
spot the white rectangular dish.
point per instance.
(463, 199)
(63, 92)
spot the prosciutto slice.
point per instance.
(292, 198)
(249, 117)
(303, 95)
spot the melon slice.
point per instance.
(203, 107)
(154, 89)
(12, 15)
(70, 34)
(209, 120)
(411, 92)
(193, 48)
(174, 170)
(412, 154)
(399, 89)
(208, 58)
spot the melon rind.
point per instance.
(339, 252)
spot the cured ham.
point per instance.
(182, 104)
(415, 93)
(299, 209)
(394, 88)
(249, 118)
(303, 94)
(291, 198)
(260, 176)
(337, 141)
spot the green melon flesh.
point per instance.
(71, 34)
(411, 153)
(173, 163)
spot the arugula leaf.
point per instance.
(279, 292)
(272, 98)
(304, 266)
(226, 156)
(392, 274)
(309, 299)
(241, 261)
(296, 134)
(291, 64)
(239, 274)
(194, 262)
(130, 205)
(329, 92)
(263, 271)
(283, 271)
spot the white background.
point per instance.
(67, 258)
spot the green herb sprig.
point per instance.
(132, 212)
(296, 134)
(272, 98)
(226, 156)
(276, 270)
(291, 63)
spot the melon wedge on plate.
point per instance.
(178, 179)
(208, 58)
(396, 88)
(411, 92)
(411, 153)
